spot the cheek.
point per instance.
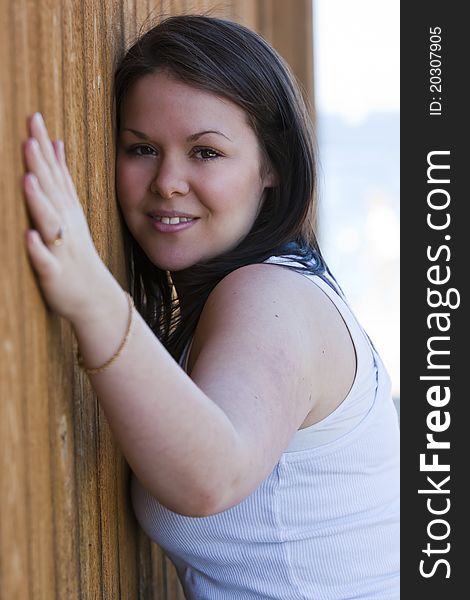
(238, 191)
(120, 178)
(127, 184)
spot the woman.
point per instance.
(253, 410)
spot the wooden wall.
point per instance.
(66, 526)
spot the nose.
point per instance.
(170, 179)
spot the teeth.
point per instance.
(173, 220)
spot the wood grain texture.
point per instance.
(67, 530)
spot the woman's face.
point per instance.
(190, 176)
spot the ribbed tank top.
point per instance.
(324, 525)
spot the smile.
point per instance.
(173, 220)
(172, 224)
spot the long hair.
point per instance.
(230, 61)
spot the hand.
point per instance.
(60, 247)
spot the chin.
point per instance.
(173, 263)
(179, 261)
(173, 266)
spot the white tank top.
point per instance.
(324, 525)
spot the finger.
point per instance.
(60, 155)
(59, 152)
(43, 214)
(36, 164)
(44, 262)
(38, 130)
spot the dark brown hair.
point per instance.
(231, 61)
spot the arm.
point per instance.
(202, 444)
(198, 444)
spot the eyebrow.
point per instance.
(191, 138)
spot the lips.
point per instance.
(172, 222)
(161, 212)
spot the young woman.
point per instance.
(253, 410)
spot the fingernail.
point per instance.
(38, 117)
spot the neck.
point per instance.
(182, 282)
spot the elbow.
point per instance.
(200, 501)
(216, 496)
(204, 491)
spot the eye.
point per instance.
(140, 150)
(206, 153)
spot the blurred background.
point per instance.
(356, 95)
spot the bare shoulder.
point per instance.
(263, 303)
(257, 295)
(263, 287)
(268, 331)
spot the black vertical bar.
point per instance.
(434, 291)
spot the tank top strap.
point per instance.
(369, 368)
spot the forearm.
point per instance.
(178, 442)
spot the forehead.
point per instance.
(160, 97)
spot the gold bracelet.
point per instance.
(108, 363)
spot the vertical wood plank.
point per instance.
(129, 21)
(130, 564)
(71, 417)
(245, 12)
(100, 175)
(14, 558)
(34, 337)
(292, 37)
(84, 406)
(64, 557)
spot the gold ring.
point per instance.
(59, 238)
